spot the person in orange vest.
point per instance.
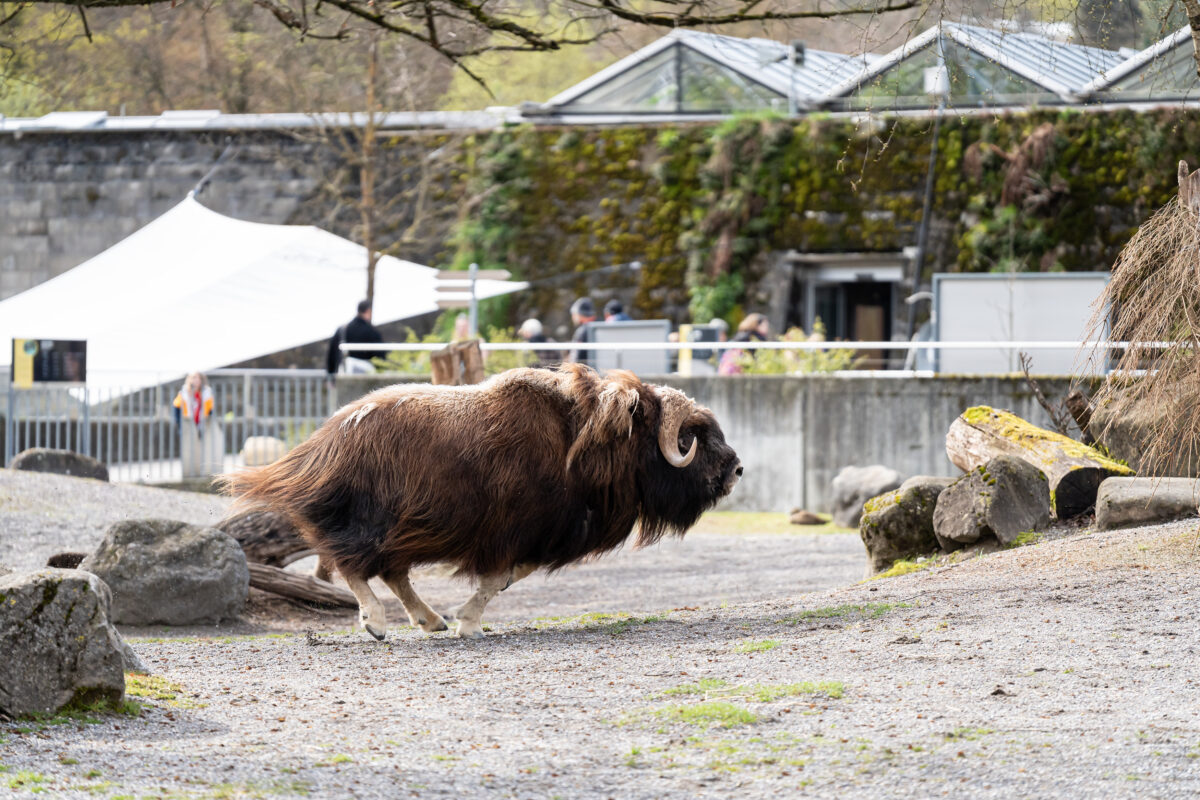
(194, 402)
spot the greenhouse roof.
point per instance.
(1166, 68)
(1059, 68)
(655, 77)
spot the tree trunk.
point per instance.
(1081, 411)
(367, 170)
(299, 587)
(267, 538)
(1192, 9)
(1074, 470)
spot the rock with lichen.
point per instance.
(59, 648)
(899, 525)
(173, 573)
(998, 500)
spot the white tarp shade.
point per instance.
(195, 290)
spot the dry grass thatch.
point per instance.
(1153, 302)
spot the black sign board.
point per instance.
(48, 361)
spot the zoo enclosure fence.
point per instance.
(132, 429)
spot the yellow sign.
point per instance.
(22, 362)
(685, 356)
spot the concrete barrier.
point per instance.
(794, 433)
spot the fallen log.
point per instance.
(1073, 470)
(267, 538)
(299, 587)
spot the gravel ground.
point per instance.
(1062, 669)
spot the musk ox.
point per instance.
(532, 469)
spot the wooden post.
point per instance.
(457, 364)
(444, 365)
(1189, 188)
(472, 361)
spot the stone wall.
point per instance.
(68, 196)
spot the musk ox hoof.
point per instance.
(469, 630)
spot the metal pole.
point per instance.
(473, 323)
(10, 428)
(86, 444)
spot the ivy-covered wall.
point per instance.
(699, 205)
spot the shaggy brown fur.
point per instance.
(534, 466)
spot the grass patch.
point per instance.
(81, 713)
(867, 610)
(614, 624)
(756, 647)
(28, 781)
(902, 567)
(708, 715)
(766, 693)
(156, 687)
(742, 523)
(1025, 538)
(968, 734)
(703, 686)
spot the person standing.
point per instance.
(201, 440)
(357, 331)
(583, 311)
(531, 331)
(754, 328)
(614, 311)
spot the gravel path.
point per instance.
(1063, 669)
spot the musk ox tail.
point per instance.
(283, 486)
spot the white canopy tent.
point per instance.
(195, 290)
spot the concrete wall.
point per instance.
(794, 433)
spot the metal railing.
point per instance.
(134, 430)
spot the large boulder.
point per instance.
(1143, 501)
(1002, 499)
(258, 451)
(59, 648)
(171, 573)
(1126, 430)
(854, 486)
(938, 481)
(899, 524)
(59, 462)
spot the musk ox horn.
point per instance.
(676, 407)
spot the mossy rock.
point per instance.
(899, 524)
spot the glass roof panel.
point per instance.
(709, 86)
(973, 81)
(648, 86)
(1171, 75)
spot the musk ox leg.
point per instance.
(322, 571)
(469, 625)
(419, 613)
(370, 610)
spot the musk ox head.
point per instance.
(652, 445)
(689, 468)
